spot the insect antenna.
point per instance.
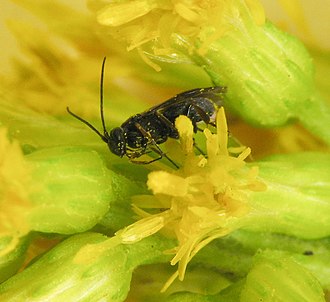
(104, 136)
(101, 98)
(87, 123)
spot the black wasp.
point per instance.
(144, 132)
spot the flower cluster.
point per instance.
(255, 229)
(141, 21)
(203, 200)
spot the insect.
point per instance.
(144, 132)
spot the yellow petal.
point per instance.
(185, 129)
(116, 14)
(161, 182)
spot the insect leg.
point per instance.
(170, 125)
(167, 122)
(201, 112)
(205, 118)
(145, 162)
(155, 146)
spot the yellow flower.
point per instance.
(58, 67)
(141, 21)
(207, 198)
(201, 201)
(15, 187)
(195, 31)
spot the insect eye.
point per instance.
(116, 141)
(117, 134)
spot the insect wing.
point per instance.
(214, 94)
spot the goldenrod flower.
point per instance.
(15, 188)
(255, 220)
(59, 67)
(142, 21)
(232, 41)
(200, 202)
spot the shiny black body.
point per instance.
(156, 125)
(144, 132)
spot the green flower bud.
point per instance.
(270, 78)
(297, 200)
(269, 74)
(63, 274)
(277, 278)
(235, 253)
(11, 259)
(71, 190)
